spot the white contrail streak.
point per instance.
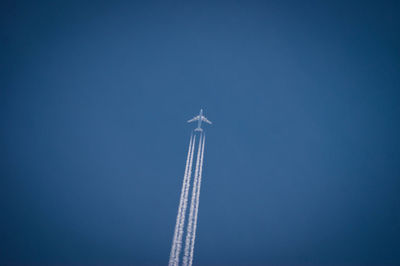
(178, 217)
(184, 206)
(197, 203)
(189, 234)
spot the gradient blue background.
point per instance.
(302, 163)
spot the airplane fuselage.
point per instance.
(199, 121)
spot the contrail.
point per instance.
(197, 203)
(184, 205)
(174, 241)
(189, 234)
(175, 254)
(181, 202)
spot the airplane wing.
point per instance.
(194, 119)
(206, 120)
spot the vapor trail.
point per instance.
(189, 233)
(178, 217)
(197, 203)
(185, 189)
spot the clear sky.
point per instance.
(302, 162)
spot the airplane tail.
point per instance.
(198, 129)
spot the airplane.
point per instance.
(199, 118)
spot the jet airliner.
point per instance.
(199, 118)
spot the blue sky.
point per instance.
(302, 162)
